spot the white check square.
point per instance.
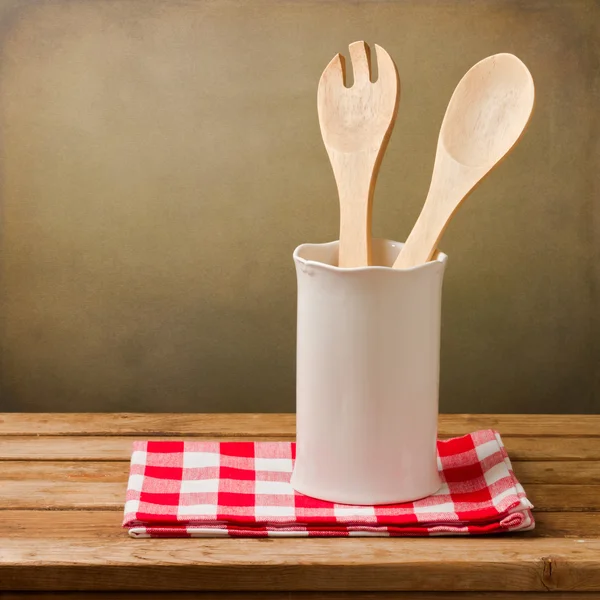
(270, 488)
(496, 473)
(487, 449)
(274, 511)
(132, 506)
(198, 460)
(282, 465)
(199, 486)
(139, 457)
(354, 511)
(204, 510)
(136, 482)
(445, 507)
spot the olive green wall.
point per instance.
(161, 160)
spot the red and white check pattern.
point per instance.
(214, 489)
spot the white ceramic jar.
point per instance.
(368, 347)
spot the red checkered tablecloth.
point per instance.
(212, 489)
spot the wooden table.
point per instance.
(62, 488)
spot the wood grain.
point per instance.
(553, 472)
(271, 425)
(62, 495)
(563, 472)
(93, 524)
(118, 448)
(121, 424)
(70, 471)
(296, 596)
(556, 497)
(580, 525)
(371, 564)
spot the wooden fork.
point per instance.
(356, 124)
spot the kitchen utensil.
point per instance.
(486, 116)
(356, 124)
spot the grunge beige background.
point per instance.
(160, 160)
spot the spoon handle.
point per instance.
(419, 246)
(451, 183)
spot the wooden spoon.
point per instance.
(486, 116)
(356, 124)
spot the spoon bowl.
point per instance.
(476, 130)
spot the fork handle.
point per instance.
(355, 176)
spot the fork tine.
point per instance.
(360, 54)
(386, 67)
(335, 72)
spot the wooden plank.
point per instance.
(563, 472)
(556, 497)
(514, 563)
(297, 596)
(106, 495)
(85, 471)
(92, 524)
(83, 448)
(118, 448)
(61, 495)
(85, 525)
(552, 472)
(160, 424)
(271, 425)
(581, 525)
